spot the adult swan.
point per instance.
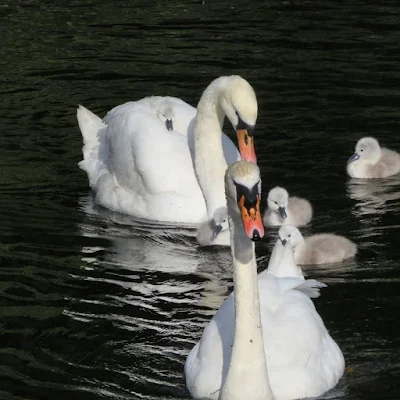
(137, 166)
(266, 341)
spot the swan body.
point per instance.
(148, 158)
(266, 341)
(372, 161)
(321, 248)
(283, 209)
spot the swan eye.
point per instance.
(276, 202)
(289, 235)
(361, 149)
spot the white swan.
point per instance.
(321, 248)
(266, 341)
(136, 166)
(282, 263)
(283, 209)
(372, 161)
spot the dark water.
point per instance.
(94, 305)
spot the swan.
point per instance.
(372, 161)
(266, 341)
(283, 209)
(282, 263)
(321, 248)
(138, 167)
(216, 230)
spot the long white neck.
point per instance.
(209, 162)
(247, 376)
(282, 263)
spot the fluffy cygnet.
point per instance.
(372, 161)
(216, 230)
(166, 113)
(283, 209)
(282, 263)
(322, 248)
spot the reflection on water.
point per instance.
(373, 197)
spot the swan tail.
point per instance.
(311, 288)
(93, 133)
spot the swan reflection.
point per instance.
(373, 197)
(166, 261)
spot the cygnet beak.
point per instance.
(251, 217)
(217, 230)
(284, 241)
(168, 124)
(246, 142)
(354, 157)
(282, 212)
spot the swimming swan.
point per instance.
(372, 161)
(266, 341)
(322, 248)
(283, 209)
(136, 166)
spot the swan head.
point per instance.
(278, 200)
(239, 104)
(290, 234)
(367, 149)
(165, 113)
(220, 219)
(243, 193)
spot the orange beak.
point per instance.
(246, 145)
(252, 220)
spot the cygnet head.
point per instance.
(289, 233)
(243, 193)
(221, 222)
(367, 149)
(278, 200)
(239, 103)
(165, 113)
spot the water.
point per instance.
(95, 305)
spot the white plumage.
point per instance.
(137, 166)
(230, 359)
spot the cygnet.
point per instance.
(321, 248)
(372, 161)
(282, 263)
(283, 209)
(165, 113)
(216, 230)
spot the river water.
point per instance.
(95, 305)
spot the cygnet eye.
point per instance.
(361, 149)
(276, 202)
(289, 235)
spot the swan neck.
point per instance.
(247, 376)
(209, 160)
